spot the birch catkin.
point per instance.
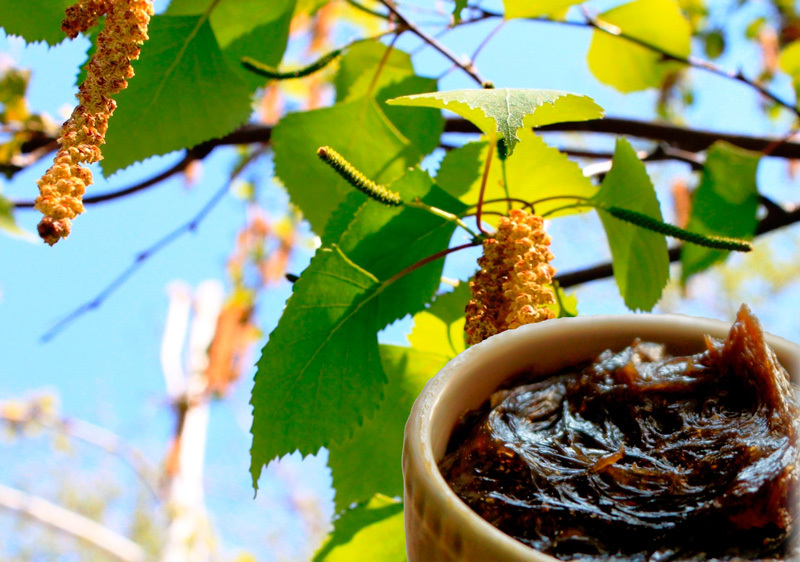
(62, 187)
(512, 285)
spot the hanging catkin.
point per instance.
(62, 187)
(512, 284)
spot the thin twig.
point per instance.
(466, 66)
(429, 259)
(359, 6)
(695, 62)
(692, 61)
(482, 44)
(139, 260)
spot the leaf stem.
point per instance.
(450, 217)
(429, 259)
(382, 63)
(485, 178)
(551, 212)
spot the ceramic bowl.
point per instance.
(438, 525)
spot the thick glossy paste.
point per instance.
(641, 456)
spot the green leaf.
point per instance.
(790, 62)
(308, 7)
(232, 19)
(342, 216)
(422, 127)
(13, 87)
(357, 78)
(378, 443)
(9, 225)
(629, 67)
(367, 533)
(320, 373)
(360, 65)
(566, 306)
(34, 20)
(506, 110)
(244, 28)
(386, 241)
(457, 8)
(725, 204)
(535, 171)
(359, 131)
(641, 260)
(437, 337)
(183, 93)
(714, 44)
(537, 8)
(323, 354)
(439, 329)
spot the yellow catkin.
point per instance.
(512, 284)
(62, 187)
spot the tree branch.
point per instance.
(465, 65)
(690, 140)
(71, 523)
(682, 138)
(193, 154)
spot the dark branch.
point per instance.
(690, 140)
(681, 138)
(197, 153)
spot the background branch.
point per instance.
(71, 523)
(93, 435)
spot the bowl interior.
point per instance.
(547, 348)
(436, 518)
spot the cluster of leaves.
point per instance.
(323, 379)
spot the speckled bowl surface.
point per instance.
(439, 526)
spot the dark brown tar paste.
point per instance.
(641, 456)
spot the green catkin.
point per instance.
(357, 179)
(275, 74)
(642, 220)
